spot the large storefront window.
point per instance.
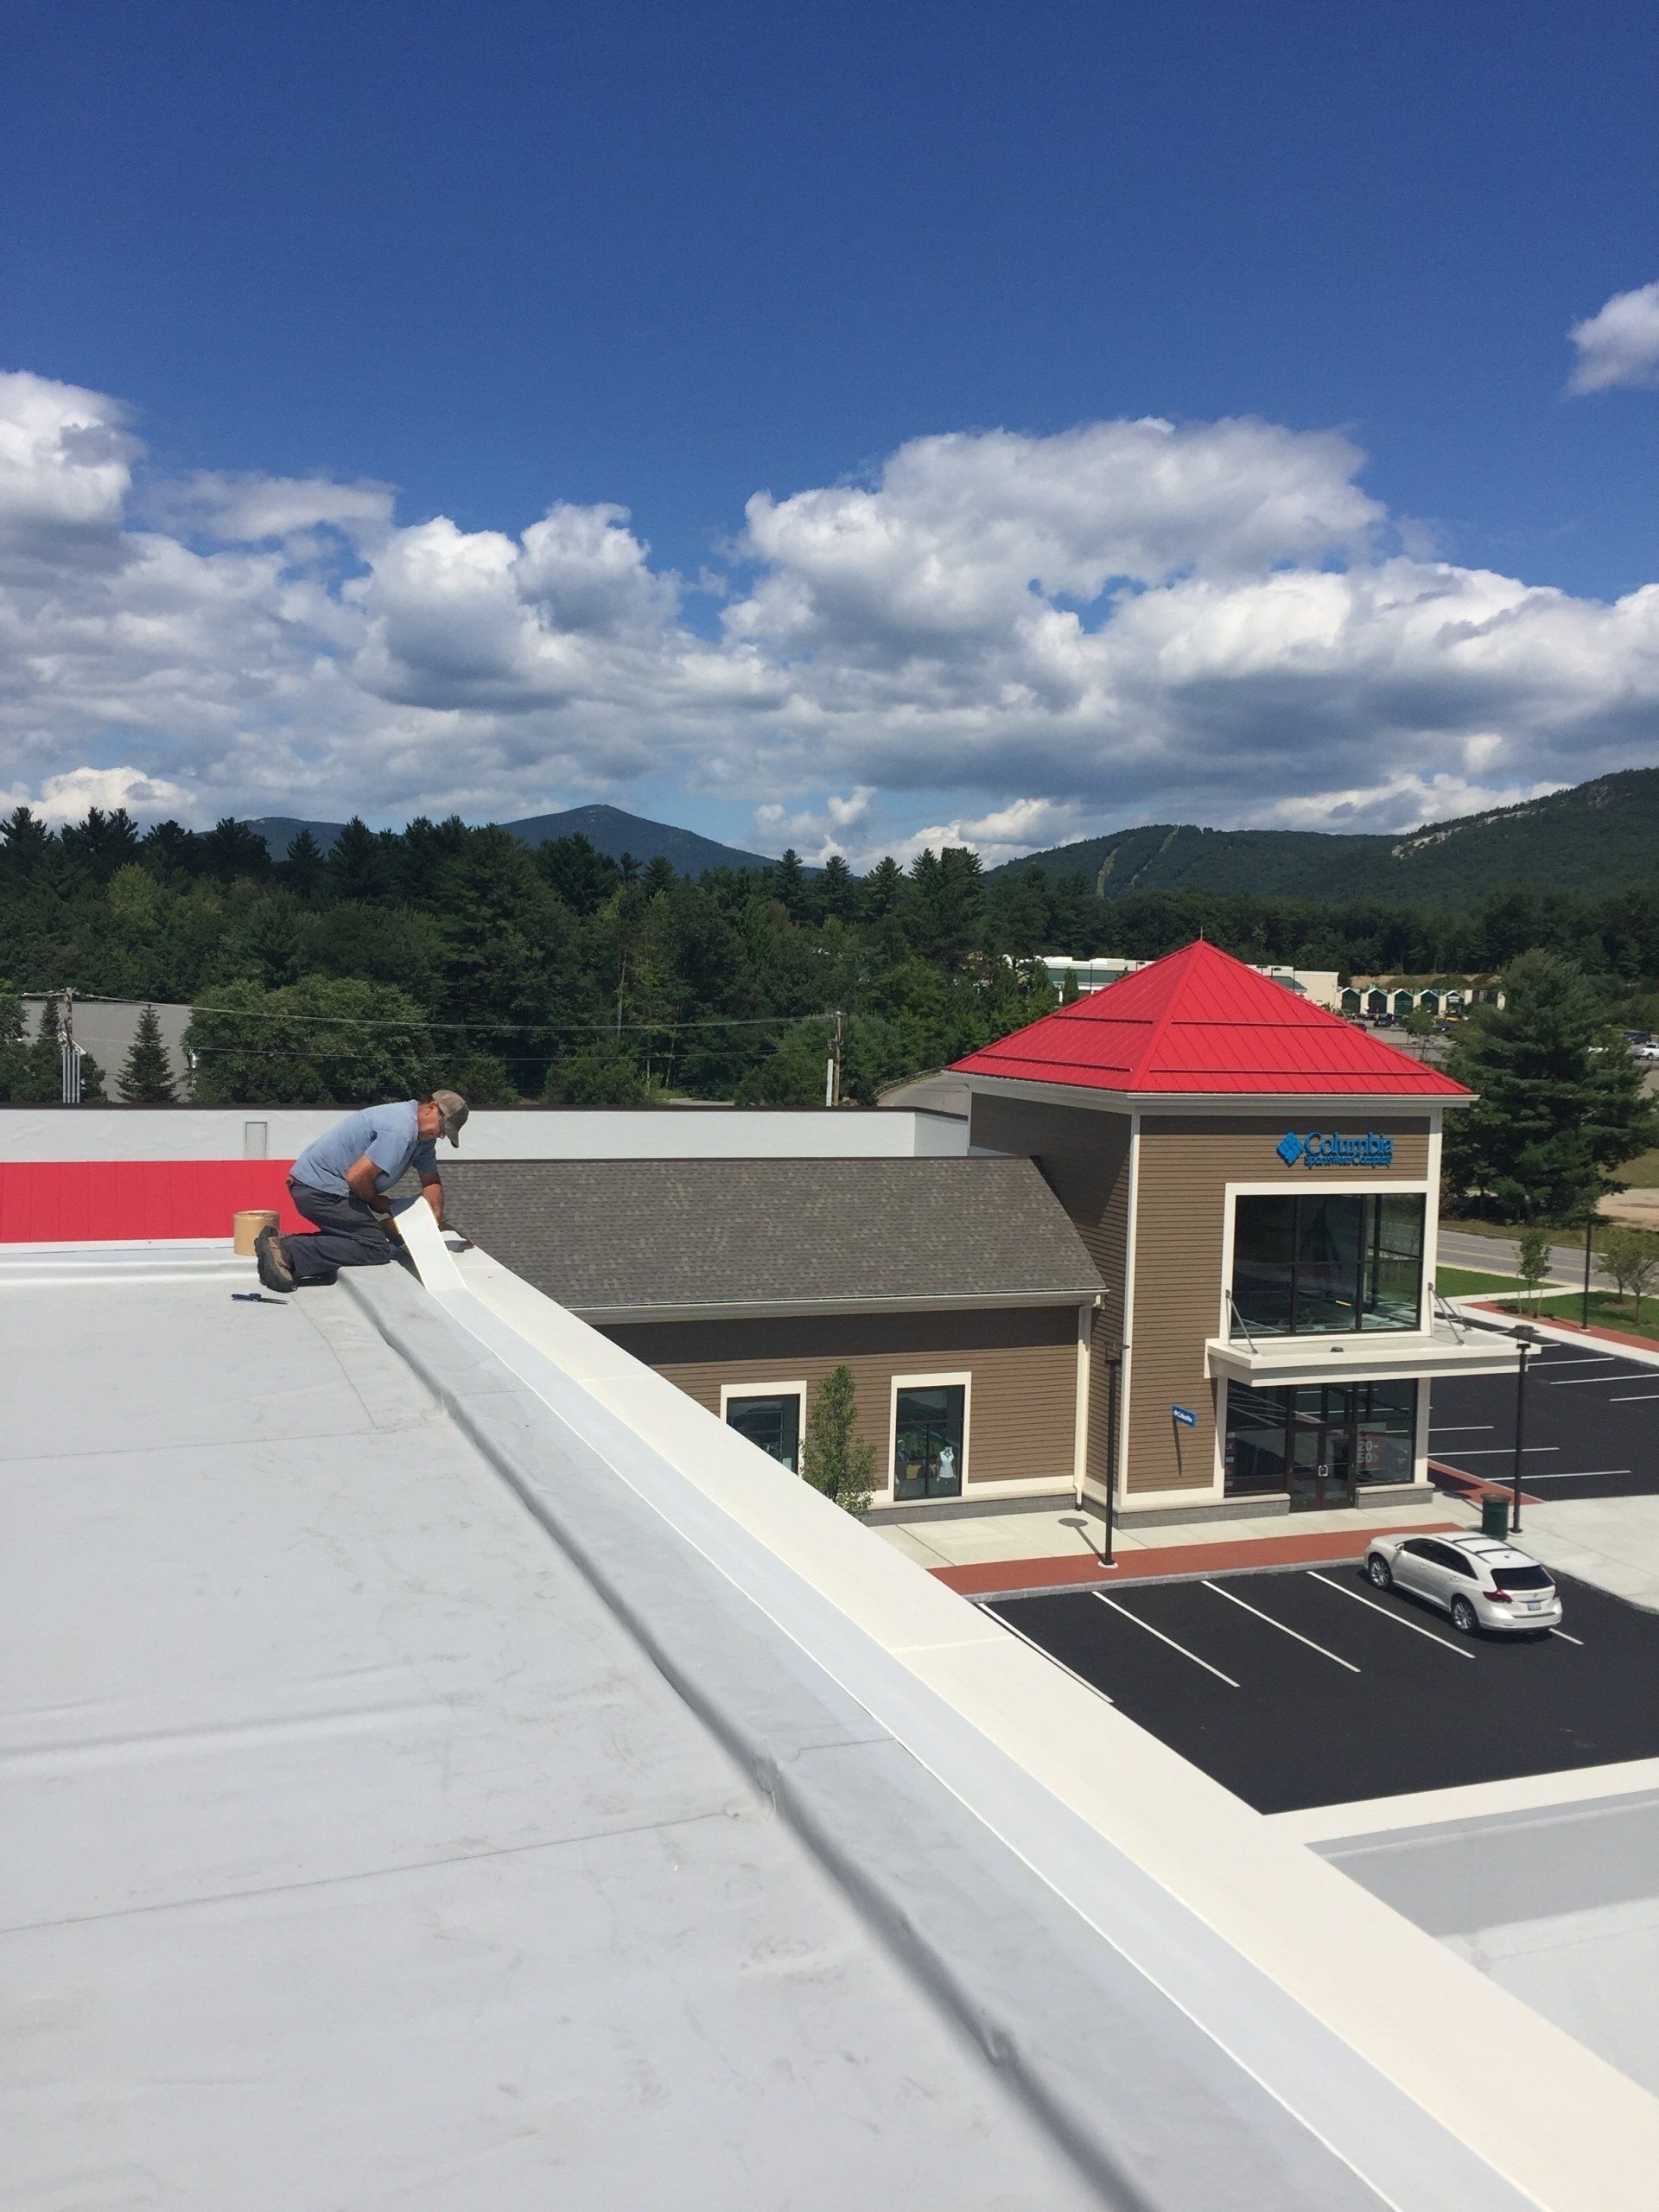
(929, 1439)
(1327, 1262)
(773, 1422)
(1321, 1445)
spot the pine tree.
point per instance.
(1560, 1099)
(44, 1060)
(146, 1077)
(302, 870)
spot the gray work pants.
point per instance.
(347, 1235)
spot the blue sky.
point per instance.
(509, 258)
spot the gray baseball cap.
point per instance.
(454, 1110)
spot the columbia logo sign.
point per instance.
(1320, 1148)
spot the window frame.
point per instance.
(963, 1379)
(797, 1391)
(1323, 1186)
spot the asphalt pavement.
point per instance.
(1301, 1688)
(1591, 1424)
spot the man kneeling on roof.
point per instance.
(341, 1180)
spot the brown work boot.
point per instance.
(270, 1257)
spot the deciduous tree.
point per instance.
(832, 1459)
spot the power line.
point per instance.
(422, 1022)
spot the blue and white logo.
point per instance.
(1323, 1149)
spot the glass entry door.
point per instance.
(929, 1441)
(1322, 1456)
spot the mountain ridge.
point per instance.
(610, 829)
(1599, 836)
(1603, 835)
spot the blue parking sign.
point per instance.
(1184, 1416)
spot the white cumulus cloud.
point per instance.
(1126, 621)
(1619, 344)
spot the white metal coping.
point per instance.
(1556, 2122)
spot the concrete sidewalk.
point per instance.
(1010, 1551)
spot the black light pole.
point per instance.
(1589, 1231)
(1528, 1337)
(1114, 1364)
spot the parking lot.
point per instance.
(1308, 1688)
(1593, 1425)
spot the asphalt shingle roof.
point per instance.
(607, 1236)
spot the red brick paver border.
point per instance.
(1559, 1321)
(1331, 1547)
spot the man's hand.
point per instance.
(362, 1178)
(432, 1192)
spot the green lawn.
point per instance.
(1607, 1311)
(1470, 1282)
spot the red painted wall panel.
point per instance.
(108, 1201)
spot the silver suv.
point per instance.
(1481, 1583)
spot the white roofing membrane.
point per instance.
(357, 1855)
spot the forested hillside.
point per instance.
(609, 829)
(1595, 837)
(448, 952)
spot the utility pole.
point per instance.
(70, 1067)
(832, 1068)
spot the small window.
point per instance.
(770, 1421)
(1521, 1578)
(929, 1439)
(1460, 1562)
(1421, 1548)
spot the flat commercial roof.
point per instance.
(360, 1853)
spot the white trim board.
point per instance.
(797, 1391)
(1229, 1105)
(963, 1381)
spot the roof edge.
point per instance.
(1136, 1101)
(608, 1317)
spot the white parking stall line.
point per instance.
(1580, 1474)
(1467, 1428)
(1233, 1598)
(1583, 1359)
(1576, 1382)
(1639, 1398)
(1501, 1451)
(1415, 1627)
(1162, 1638)
(1049, 1656)
(1566, 1639)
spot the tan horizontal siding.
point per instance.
(1023, 1362)
(1084, 1153)
(1186, 1162)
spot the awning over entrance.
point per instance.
(1276, 1362)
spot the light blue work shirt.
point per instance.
(389, 1134)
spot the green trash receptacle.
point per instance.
(1495, 1518)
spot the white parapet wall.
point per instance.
(1426, 2077)
(82, 1133)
